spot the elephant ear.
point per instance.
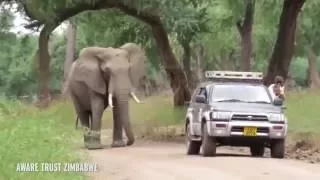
(137, 60)
(89, 72)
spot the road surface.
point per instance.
(168, 161)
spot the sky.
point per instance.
(19, 22)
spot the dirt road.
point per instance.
(168, 161)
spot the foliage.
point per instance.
(211, 24)
(308, 28)
(300, 66)
(6, 18)
(18, 70)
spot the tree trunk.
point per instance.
(284, 47)
(187, 63)
(70, 54)
(44, 67)
(178, 79)
(200, 57)
(314, 79)
(245, 30)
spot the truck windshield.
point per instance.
(240, 93)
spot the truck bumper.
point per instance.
(235, 128)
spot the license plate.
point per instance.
(250, 131)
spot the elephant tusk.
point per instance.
(135, 97)
(110, 100)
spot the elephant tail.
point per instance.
(77, 122)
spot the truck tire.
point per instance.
(257, 150)
(278, 148)
(193, 147)
(208, 143)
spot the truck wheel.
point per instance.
(208, 143)
(278, 148)
(193, 147)
(257, 150)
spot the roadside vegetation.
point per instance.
(185, 36)
(28, 134)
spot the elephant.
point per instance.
(105, 77)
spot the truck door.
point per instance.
(198, 111)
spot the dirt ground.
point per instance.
(147, 160)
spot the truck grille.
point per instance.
(259, 129)
(248, 117)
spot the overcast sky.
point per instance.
(19, 22)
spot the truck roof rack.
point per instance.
(235, 76)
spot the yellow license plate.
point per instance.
(250, 131)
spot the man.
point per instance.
(277, 89)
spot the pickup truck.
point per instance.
(235, 109)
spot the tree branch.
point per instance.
(147, 16)
(26, 11)
(34, 24)
(67, 13)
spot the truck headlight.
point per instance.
(277, 117)
(221, 115)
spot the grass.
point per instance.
(154, 112)
(28, 134)
(302, 111)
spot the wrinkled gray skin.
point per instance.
(103, 77)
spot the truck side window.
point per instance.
(203, 92)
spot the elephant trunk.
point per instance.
(132, 94)
(123, 108)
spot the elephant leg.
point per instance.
(117, 140)
(97, 108)
(84, 119)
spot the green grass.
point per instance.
(153, 112)
(303, 111)
(31, 135)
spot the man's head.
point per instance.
(278, 80)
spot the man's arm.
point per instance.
(282, 94)
(270, 88)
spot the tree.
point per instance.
(245, 30)
(145, 11)
(186, 30)
(218, 50)
(70, 52)
(283, 50)
(308, 41)
(49, 16)
(240, 13)
(313, 74)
